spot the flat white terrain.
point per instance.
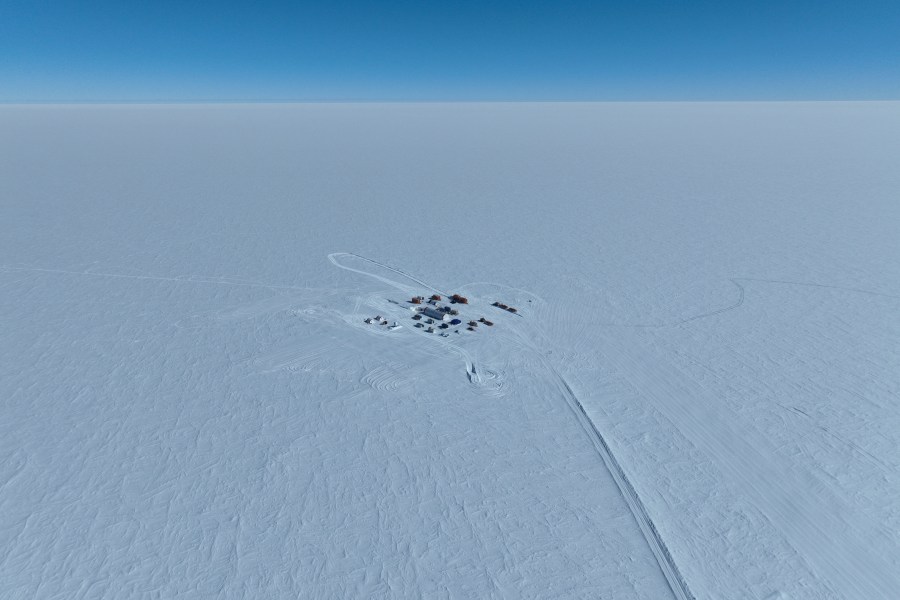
(699, 396)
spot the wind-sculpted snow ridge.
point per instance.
(669, 569)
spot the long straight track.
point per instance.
(667, 565)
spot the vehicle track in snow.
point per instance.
(334, 256)
(647, 527)
(185, 279)
(658, 547)
(385, 378)
(740, 301)
(736, 304)
(667, 565)
(821, 285)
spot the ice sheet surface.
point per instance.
(699, 395)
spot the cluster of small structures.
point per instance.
(429, 313)
(379, 320)
(505, 307)
(431, 316)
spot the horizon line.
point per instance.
(208, 102)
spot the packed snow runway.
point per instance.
(698, 396)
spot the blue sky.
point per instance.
(191, 50)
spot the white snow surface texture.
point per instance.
(698, 398)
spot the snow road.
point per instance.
(677, 584)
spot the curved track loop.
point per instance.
(740, 301)
(736, 304)
(385, 378)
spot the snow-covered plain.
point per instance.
(699, 397)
